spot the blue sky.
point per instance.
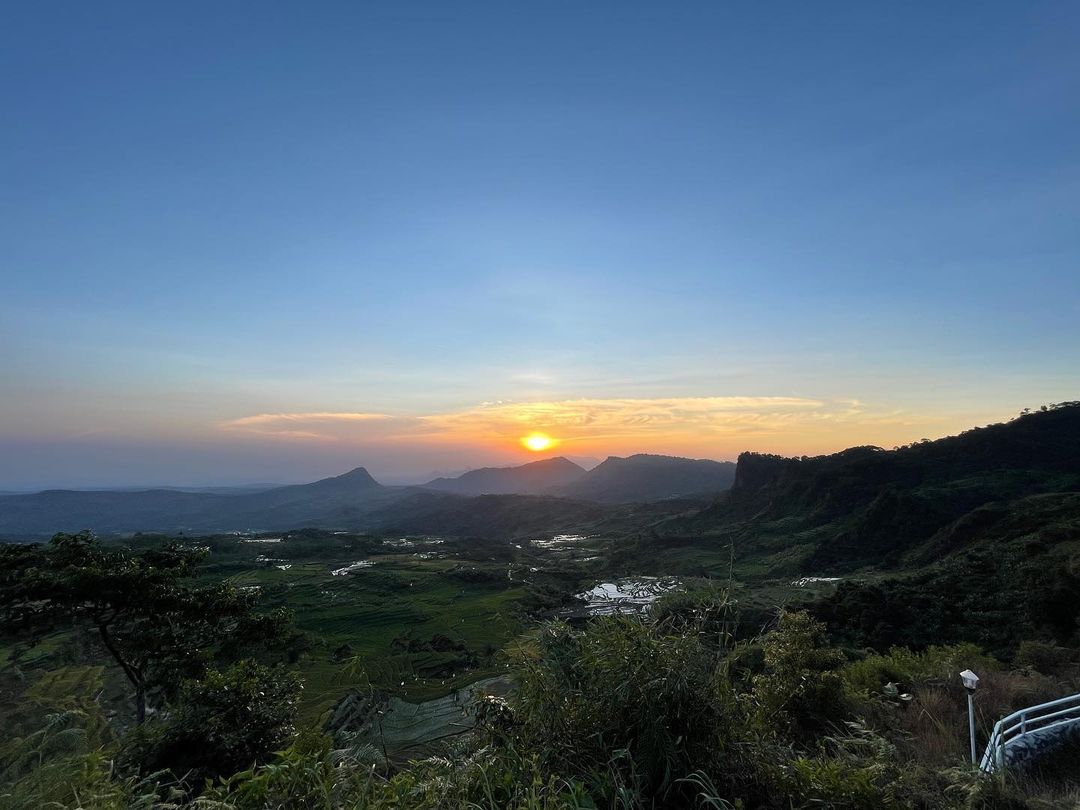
(215, 212)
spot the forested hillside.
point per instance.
(869, 506)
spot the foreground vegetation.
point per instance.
(669, 711)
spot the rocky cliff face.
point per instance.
(756, 470)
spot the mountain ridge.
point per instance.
(650, 477)
(533, 478)
(870, 506)
(861, 506)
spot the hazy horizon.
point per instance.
(292, 470)
(269, 244)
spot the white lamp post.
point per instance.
(971, 680)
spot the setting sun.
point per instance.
(537, 442)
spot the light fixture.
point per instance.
(970, 681)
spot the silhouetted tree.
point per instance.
(157, 625)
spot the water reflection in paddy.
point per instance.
(628, 595)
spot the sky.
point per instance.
(269, 242)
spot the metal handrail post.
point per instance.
(971, 724)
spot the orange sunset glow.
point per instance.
(698, 427)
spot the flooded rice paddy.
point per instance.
(627, 595)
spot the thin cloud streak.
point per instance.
(317, 425)
(314, 416)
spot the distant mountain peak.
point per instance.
(525, 479)
(554, 461)
(357, 475)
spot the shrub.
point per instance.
(227, 721)
(310, 774)
(303, 775)
(911, 669)
(858, 768)
(621, 705)
(706, 612)
(1043, 657)
(800, 693)
(61, 765)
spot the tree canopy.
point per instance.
(156, 621)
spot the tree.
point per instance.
(800, 691)
(228, 720)
(157, 625)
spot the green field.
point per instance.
(420, 617)
(423, 615)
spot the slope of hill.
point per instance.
(353, 501)
(1004, 573)
(331, 501)
(527, 479)
(44, 513)
(868, 506)
(491, 516)
(648, 478)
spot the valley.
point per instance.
(401, 627)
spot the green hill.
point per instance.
(869, 506)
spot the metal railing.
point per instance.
(1032, 720)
